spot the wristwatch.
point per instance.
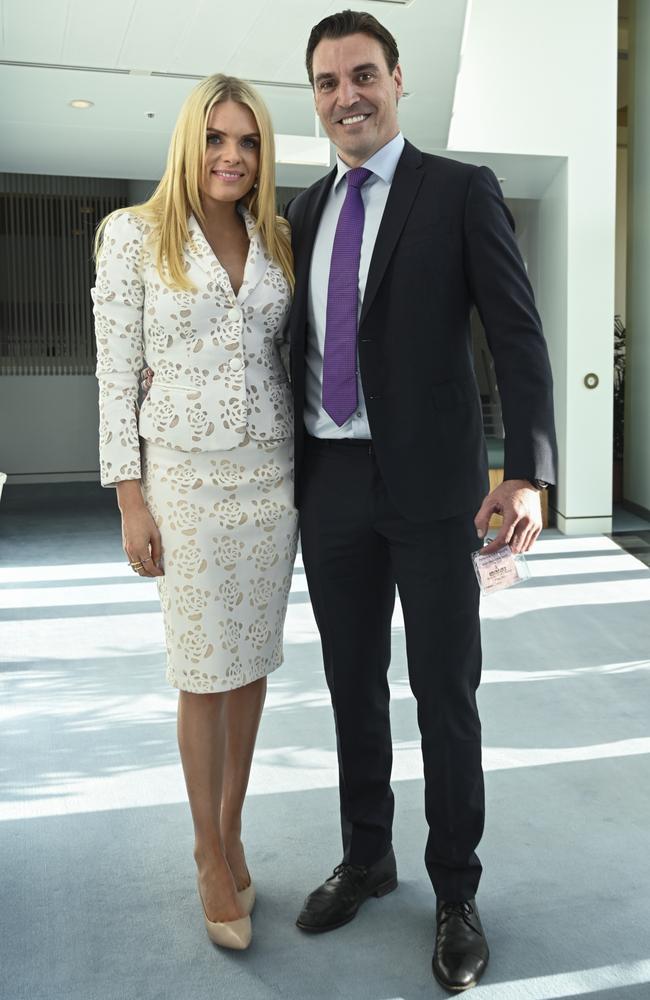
(539, 484)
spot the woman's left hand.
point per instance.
(140, 535)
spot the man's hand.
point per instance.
(518, 501)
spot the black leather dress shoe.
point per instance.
(337, 900)
(461, 954)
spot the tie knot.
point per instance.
(358, 177)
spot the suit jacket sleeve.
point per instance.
(504, 298)
(118, 302)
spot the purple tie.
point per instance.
(340, 355)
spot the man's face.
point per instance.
(356, 97)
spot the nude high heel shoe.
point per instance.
(247, 898)
(234, 934)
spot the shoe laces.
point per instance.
(463, 909)
(351, 872)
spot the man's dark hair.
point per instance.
(351, 22)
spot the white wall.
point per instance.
(551, 293)
(49, 428)
(541, 78)
(637, 379)
(620, 284)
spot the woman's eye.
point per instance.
(213, 140)
(249, 143)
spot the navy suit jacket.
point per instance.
(446, 242)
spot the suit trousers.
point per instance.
(357, 548)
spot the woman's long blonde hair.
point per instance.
(178, 193)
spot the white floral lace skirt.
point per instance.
(229, 531)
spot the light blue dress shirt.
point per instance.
(374, 193)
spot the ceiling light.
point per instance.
(80, 103)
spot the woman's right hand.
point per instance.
(140, 536)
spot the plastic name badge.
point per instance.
(499, 570)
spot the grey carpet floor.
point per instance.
(97, 894)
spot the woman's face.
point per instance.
(232, 153)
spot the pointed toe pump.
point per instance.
(247, 898)
(235, 934)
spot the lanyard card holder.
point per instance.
(499, 570)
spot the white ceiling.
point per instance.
(91, 49)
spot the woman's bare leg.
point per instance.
(242, 718)
(202, 743)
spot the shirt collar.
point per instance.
(383, 163)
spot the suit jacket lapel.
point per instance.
(201, 254)
(257, 260)
(406, 182)
(303, 250)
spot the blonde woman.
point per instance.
(196, 284)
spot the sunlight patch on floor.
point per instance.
(565, 985)
(276, 771)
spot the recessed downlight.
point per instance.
(80, 103)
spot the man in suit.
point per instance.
(392, 249)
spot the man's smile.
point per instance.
(354, 119)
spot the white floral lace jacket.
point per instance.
(217, 357)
